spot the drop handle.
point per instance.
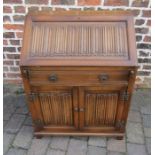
(103, 77)
(53, 78)
(76, 109)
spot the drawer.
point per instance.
(76, 77)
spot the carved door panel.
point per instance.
(55, 107)
(102, 108)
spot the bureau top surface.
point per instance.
(74, 38)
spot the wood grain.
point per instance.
(56, 108)
(79, 70)
(94, 44)
(72, 39)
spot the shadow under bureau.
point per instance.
(79, 70)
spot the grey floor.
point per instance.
(19, 139)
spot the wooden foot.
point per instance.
(119, 138)
(38, 136)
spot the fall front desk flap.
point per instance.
(79, 39)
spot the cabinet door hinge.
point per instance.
(32, 96)
(120, 124)
(38, 123)
(25, 73)
(124, 96)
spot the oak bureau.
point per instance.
(79, 70)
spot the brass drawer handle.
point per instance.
(53, 77)
(103, 77)
(81, 109)
(76, 109)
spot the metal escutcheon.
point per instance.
(53, 78)
(103, 77)
(76, 109)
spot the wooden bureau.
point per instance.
(79, 70)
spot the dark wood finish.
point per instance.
(78, 70)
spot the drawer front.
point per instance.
(72, 77)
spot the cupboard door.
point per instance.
(101, 108)
(57, 107)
